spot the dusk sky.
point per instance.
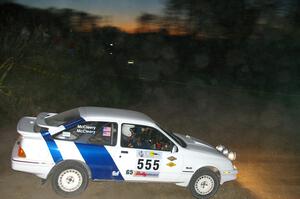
(122, 13)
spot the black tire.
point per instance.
(69, 179)
(207, 177)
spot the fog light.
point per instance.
(225, 152)
(220, 147)
(231, 156)
(226, 172)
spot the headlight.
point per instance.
(225, 152)
(231, 156)
(220, 148)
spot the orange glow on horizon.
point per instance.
(129, 27)
(134, 28)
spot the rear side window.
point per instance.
(100, 133)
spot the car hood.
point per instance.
(198, 145)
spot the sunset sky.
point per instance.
(121, 13)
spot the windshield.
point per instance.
(63, 117)
(177, 139)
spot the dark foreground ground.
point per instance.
(263, 130)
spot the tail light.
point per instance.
(21, 152)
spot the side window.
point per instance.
(101, 133)
(143, 137)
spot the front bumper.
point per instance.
(228, 175)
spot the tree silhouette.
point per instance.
(148, 22)
(214, 18)
(227, 24)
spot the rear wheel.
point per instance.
(204, 184)
(70, 179)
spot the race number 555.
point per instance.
(148, 164)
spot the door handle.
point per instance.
(124, 152)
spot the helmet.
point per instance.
(126, 129)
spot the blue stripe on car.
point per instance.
(55, 153)
(96, 156)
(99, 161)
(73, 123)
(52, 146)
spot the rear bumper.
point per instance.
(39, 169)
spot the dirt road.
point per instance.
(261, 176)
(271, 176)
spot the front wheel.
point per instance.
(204, 184)
(69, 179)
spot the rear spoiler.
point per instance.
(40, 119)
(25, 126)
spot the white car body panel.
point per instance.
(69, 151)
(177, 167)
(165, 173)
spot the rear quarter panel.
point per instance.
(36, 149)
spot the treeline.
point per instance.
(54, 59)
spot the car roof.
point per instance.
(126, 116)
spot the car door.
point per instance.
(145, 154)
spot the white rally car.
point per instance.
(113, 144)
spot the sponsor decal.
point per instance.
(141, 154)
(142, 173)
(86, 129)
(129, 172)
(172, 158)
(148, 154)
(66, 134)
(106, 131)
(115, 173)
(152, 154)
(146, 174)
(171, 164)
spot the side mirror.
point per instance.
(174, 149)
